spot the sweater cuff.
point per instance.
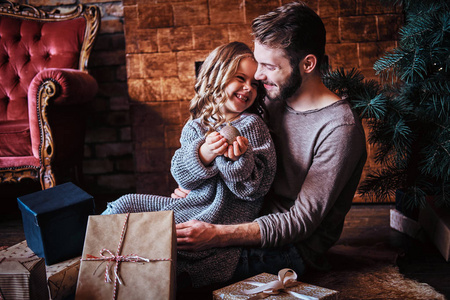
(264, 231)
(195, 166)
(237, 171)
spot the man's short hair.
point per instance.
(294, 27)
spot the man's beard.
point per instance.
(288, 88)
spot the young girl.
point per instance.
(227, 182)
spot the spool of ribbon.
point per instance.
(119, 258)
(287, 278)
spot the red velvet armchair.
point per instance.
(44, 88)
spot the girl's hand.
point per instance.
(214, 145)
(179, 192)
(238, 148)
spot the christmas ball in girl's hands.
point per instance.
(230, 133)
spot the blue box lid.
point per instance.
(55, 220)
(53, 199)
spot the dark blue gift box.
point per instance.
(55, 220)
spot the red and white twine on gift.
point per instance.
(119, 258)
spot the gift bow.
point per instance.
(287, 278)
(119, 258)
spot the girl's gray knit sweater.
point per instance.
(224, 192)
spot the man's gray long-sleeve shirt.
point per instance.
(320, 158)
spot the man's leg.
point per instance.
(254, 261)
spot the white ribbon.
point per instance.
(287, 278)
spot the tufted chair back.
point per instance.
(26, 48)
(44, 89)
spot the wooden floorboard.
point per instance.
(368, 225)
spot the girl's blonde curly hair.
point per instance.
(216, 72)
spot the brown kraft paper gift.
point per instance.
(136, 237)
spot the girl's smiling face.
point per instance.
(242, 89)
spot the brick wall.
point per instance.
(108, 164)
(144, 63)
(164, 39)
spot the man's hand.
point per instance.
(179, 192)
(196, 236)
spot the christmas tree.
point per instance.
(408, 111)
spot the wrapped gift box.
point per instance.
(54, 221)
(61, 277)
(149, 238)
(406, 225)
(436, 223)
(302, 290)
(23, 278)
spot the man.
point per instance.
(320, 148)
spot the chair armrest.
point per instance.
(55, 87)
(72, 86)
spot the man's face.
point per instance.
(280, 80)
